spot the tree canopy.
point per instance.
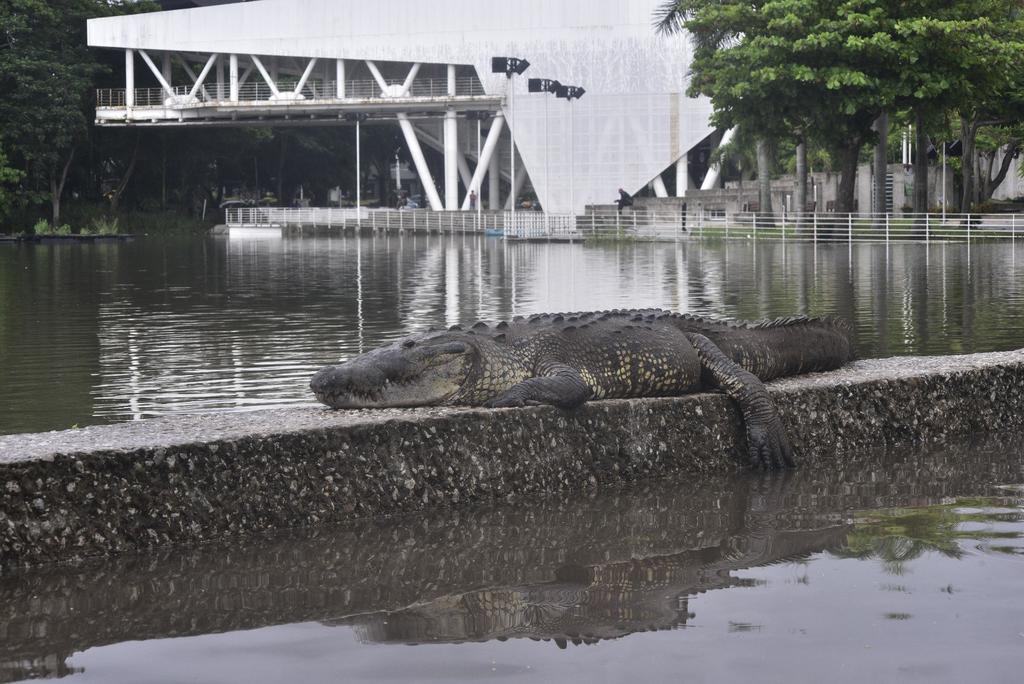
(786, 67)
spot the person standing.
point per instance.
(472, 200)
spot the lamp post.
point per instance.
(358, 117)
(510, 66)
(571, 93)
(479, 117)
(545, 85)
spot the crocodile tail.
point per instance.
(779, 347)
(800, 344)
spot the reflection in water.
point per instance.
(121, 331)
(580, 569)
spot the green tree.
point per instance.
(834, 66)
(9, 177)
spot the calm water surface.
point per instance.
(119, 331)
(898, 567)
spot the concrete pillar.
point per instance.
(421, 163)
(658, 184)
(233, 77)
(487, 156)
(339, 77)
(220, 78)
(711, 179)
(451, 164)
(517, 188)
(683, 175)
(165, 69)
(494, 182)
(129, 78)
(451, 80)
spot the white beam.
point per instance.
(266, 77)
(375, 72)
(682, 175)
(202, 76)
(339, 77)
(486, 154)
(520, 182)
(659, 186)
(421, 163)
(711, 178)
(156, 72)
(305, 76)
(451, 80)
(409, 79)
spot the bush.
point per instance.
(63, 230)
(42, 227)
(103, 225)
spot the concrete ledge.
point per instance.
(100, 490)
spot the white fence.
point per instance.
(647, 226)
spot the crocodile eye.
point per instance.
(409, 344)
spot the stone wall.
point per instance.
(101, 490)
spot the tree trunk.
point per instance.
(280, 171)
(1004, 167)
(57, 187)
(920, 164)
(881, 164)
(764, 178)
(115, 199)
(968, 130)
(801, 182)
(848, 175)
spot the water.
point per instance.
(119, 331)
(906, 566)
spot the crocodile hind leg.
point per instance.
(559, 385)
(766, 439)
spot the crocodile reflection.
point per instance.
(573, 569)
(584, 605)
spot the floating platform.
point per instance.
(148, 484)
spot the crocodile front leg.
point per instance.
(766, 439)
(559, 385)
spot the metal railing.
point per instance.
(258, 91)
(416, 220)
(649, 226)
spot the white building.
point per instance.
(424, 65)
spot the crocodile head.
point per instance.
(421, 370)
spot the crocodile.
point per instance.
(569, 358)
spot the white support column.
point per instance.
(421, 163)
(339, 77)
(165, 67)
(233, 77)
(129, 78)
(487, 156)
(659, 186)
(375, 72)
(494, 182)
(156, 72)
(202, 76)
(519, 183)
(266, 77)
(409, 79)
(451, 80)
(683, 175)
(711, 179)
(465, 174)
(451, 164)
(305, 76)
(220, 79)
